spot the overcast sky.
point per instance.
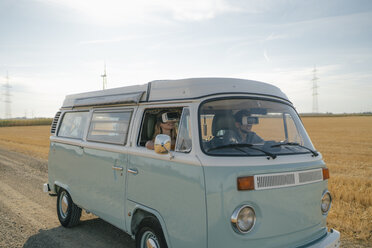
(51, 48)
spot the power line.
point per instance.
(315, 91)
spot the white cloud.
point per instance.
(197, 10)
(274, 36)
(113, 40)
(118, 12)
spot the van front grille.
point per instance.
(310, 176)
(54, 123)
(279, 180)
(276, 180)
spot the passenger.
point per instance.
(165, 125)
(243, 124)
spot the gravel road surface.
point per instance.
(28, 216)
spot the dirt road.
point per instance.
(28, 215)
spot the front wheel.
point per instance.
(68, 212)
(150, 234)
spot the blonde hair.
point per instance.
(158, 130)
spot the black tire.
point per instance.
(68, 212)
(150, 229)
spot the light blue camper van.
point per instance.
(202, 162)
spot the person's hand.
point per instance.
(230, 137)
(150, 145)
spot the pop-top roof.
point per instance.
(165, 90)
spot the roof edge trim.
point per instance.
(124, 98)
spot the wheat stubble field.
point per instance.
(346, 146)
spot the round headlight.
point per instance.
(243, 219)
(326, 202)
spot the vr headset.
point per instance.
(169, 116)
(249, 120)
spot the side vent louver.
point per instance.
(54, 123)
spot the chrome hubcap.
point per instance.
(63, 205)
(150, 243)
(149, 240)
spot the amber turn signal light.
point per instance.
(325, 173)
(246, 183)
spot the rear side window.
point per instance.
(110, 127)
(73, 125)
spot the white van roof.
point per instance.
(166, 90)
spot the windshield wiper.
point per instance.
(238, 146)
(315, 153)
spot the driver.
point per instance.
(243, 124)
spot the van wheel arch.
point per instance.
(140, 214)
(56, 188)
(150, 234)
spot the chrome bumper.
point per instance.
(46, 188)
(332, 240)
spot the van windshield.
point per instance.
(251, 127)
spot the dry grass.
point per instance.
(32, 140)
(346, 145)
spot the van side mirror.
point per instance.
(162, 144)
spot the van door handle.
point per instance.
(117, 168)
(133, 171)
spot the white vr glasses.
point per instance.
(249, 120)
(169, 116)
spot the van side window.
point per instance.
(151, 118)
(73, 125)
(184, 133)
(110, 126)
